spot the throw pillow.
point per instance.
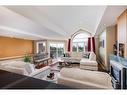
(86, 55)
(66, 55)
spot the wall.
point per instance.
(102, 50)
(13, 47)
(109, 37)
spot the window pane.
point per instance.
(86, 46)
(53, 54)
(56, 50)
(53, 51)
(60, 53)
(80, 42)
(60, 50)
(74, 48)
(81, 37)
(80, 47)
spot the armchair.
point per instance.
(24, 68)
(90, 62)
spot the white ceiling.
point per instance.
(55, 22)
(109, 17)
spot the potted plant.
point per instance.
(27, 58)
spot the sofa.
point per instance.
(88, 62)
(84, 79)
(24, 68)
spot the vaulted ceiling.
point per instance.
(55, 22)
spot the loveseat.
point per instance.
(84, 79)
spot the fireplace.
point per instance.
(118, 74)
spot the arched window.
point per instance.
(80, 42)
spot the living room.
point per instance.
(64, 46)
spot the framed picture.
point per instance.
(40, 47)
(102, 43)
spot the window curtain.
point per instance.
(93, 44)
(69, 45)
(89, 44)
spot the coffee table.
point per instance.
(54, 80)
(63, 63)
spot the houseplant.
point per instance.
(27, 58)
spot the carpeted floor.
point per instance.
(56, 68)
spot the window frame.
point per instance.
(77, 46)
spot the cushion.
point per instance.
(101, 79)
(66, 55)
(88, 63)
(92, 56)
(45, 70)
(86, 55)
(14, 69)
